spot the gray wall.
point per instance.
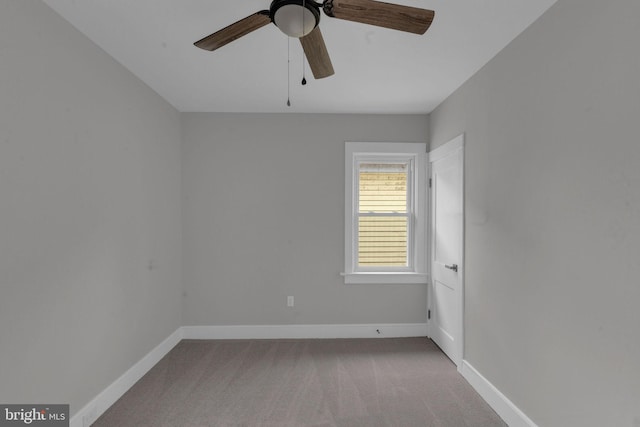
(553, 215)
(90, 231)
(263, 200)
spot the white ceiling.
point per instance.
(377, 70)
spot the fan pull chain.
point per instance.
(304, 80)
(288, 72)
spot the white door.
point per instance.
(447, 219)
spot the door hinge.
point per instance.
(428, 314)
(430, 182)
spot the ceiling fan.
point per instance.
(300, 19)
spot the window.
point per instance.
(385, 207)
(383, 214)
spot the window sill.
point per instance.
(390, 278)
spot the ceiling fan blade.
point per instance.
(316, 52)
(234, 31)
(394, 16)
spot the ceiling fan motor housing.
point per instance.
(295, 18)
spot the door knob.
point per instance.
(453, 267)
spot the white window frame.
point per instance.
(387, 152)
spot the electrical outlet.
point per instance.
(290, 301)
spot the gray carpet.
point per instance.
(343, 383)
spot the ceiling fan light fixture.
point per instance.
(295, 18)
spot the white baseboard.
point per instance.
(96, 407)
(393, 330)
(510, 413)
